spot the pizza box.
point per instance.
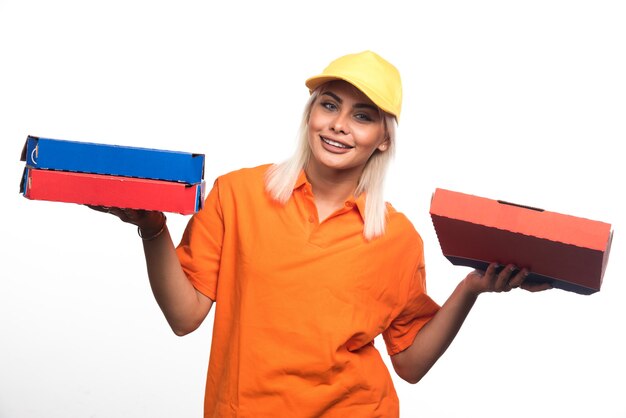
(112, 191)
(117, 160)
(569, 252)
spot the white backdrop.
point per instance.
(521, 101)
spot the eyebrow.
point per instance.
(356, 106)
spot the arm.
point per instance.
(183, 306)
(437, 335)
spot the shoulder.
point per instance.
(245, 174)
(248, 177)
(400, 229)
(245, 186)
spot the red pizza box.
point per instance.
(112, 191)
(569, 252)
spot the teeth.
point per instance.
(335, 143)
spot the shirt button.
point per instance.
(349, 204)
(311, 219)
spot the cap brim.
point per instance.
(314, 82)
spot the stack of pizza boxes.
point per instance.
(112, 175)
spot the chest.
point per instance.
(295, 270)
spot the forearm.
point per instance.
(436, 336)
(183, 307)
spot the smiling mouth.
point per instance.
(335, 143)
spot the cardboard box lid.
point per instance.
(113, 191)
(568, 251)
(88, 157)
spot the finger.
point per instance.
(127, 215)
(141, 217)
(490, 276)
(478, 273)
(118, 212)
(502, 281)
(536, 287)
(518, 278)
(492, 269)
(130, 215)
(99, 208)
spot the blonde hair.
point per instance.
(281, 178)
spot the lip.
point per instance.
(334, 148)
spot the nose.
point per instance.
(339, 123)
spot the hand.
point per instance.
(144, 219)
(510, 277)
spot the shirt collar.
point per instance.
(360, 204)
(359, 201)
(301, 181)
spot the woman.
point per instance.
(308, 266)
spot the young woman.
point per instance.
(307, 265)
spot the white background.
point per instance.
(521, 101)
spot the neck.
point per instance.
(331, 188)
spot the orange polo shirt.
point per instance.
(299, 302)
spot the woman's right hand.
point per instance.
(148, 221)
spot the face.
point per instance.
(345, 129)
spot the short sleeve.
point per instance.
(417, 311)
(200, 247)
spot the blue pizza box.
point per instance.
(116, 160)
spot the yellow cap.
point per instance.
(370, 73)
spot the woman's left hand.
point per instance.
(504, 280)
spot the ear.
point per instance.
(384, 145)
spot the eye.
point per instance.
(328, 105)
(364, 117)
